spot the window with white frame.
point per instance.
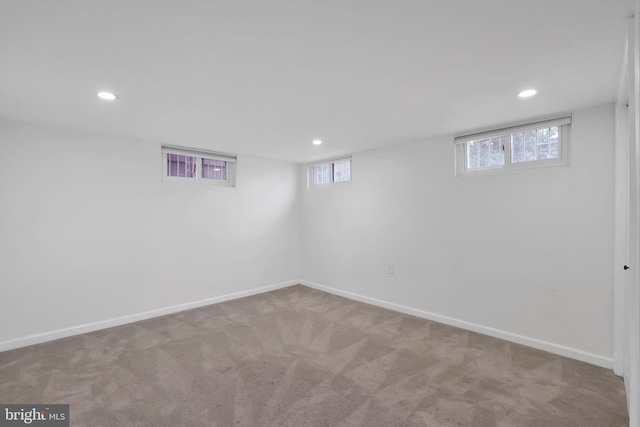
(330, 172)
(191, 165)
(524, 145)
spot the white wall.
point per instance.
(89, 232)
(526, 255)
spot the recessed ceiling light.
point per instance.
(317, 142)
(107, 96)
(527, 93)
(216, 169)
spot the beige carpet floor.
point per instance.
(300, 357)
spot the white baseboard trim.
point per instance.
(583, 356)
(118, 321)
(561, 350)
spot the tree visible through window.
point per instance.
(537, 144)
(342, 171)
(330, 172)
(323, 174)
(543, 143)
(485, 153)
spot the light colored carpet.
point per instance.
(300, 357)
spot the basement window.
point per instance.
(538, 143)
(198, 166)
(330, 172)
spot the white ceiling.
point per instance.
(265, 77)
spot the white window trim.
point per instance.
(199, 154)
(563, 122)
(311, 168)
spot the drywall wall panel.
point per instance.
(90, 232)
(527, 253)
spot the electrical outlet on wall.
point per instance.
(390, 268)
